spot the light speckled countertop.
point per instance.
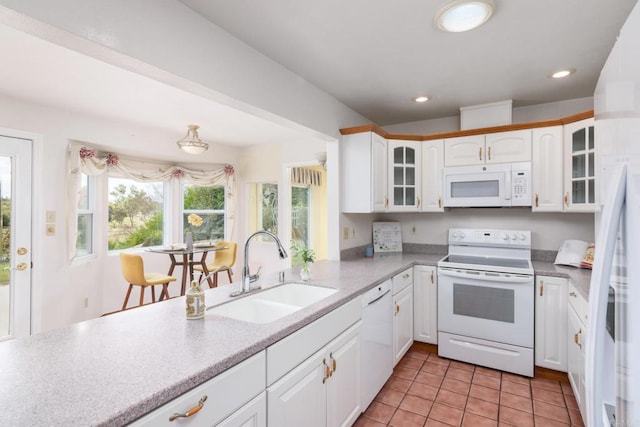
(112, 370)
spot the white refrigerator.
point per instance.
(612, 354)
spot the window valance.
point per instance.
(306, 176)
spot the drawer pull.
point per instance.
(405, 276)
(327, 371)
(573, 294)
(191, 411)
(576, 338)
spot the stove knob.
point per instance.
(505, 236)
(454, 234)
(521, 236)
(461, 235)
(513, 236)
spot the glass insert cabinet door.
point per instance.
(404, 175)
(579, 188)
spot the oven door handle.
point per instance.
(486, 278)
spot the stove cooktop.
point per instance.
(507, 265)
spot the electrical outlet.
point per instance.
(51, 216)
(345, 233)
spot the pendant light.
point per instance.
(191, 142)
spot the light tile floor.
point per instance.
(426, 390)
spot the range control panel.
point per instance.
(490, 238)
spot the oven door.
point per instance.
(471, 186)
(486, 305)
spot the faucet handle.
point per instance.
(254, 277)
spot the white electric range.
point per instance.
(486, 299)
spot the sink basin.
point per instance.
(273, 303)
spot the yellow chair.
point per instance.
(133, 272)
(223, 261)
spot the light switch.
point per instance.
(345, 233)
(51, 216)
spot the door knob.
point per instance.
(22, 251)
(21, 266)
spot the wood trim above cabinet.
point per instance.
(480, 131)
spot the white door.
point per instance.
(547, 169)
(343, 388)
(15, 225)
(507, 147)
(404, 176)
(402, 323)
(425, 304)
(432, 164)
(551, 323)
(464, 150)
(379, 199)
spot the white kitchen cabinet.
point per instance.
(364, 170)
(402, 322)
(253, 414)
(322, 391)
(432, 164)
(425, 304)
(577, 331)
(579, 167)
(226, 398)
(551, 323)
(546, 164)
(404, 177)
(501, 147)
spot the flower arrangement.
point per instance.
(195, 220)
(303, 256)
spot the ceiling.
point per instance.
(376, 56)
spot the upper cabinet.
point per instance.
(364, 171)
(432, 164)
(546, 164)
(501, 147)
(579, 167)
(404, 176)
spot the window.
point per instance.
(203, 212)
(263, 208)
(135, 213)
(86, 210)
(300, 215)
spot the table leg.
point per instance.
(205, 270)
(185, 266)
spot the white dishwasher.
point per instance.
(377, 341)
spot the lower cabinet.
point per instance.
(577, 330)
(233, 398)
(402, 322)
(425, 304)
(551, 323)
(324, 390)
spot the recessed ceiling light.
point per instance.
(563, 73)
(421, 99)
(464, 15)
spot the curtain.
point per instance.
(304, 176)
(83, 160)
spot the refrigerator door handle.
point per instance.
(598, 296)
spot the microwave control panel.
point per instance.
(521, 184)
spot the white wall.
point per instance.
(58, 297)
(532, 113)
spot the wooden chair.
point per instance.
(133, 272)
(223, 261)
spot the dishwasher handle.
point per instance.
(379, 297)
(485, 277)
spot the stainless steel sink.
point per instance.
(272, 304)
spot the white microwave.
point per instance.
(495, 185)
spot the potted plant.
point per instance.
(303, 256)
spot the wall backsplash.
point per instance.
(548, 230)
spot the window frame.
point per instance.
(183, 211)
(90, 212)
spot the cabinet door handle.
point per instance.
(440, 202)
(537, 200)
(386, 202)
(566, 199)
(576, 338)
(397, 309)
(480, 154)
(405, 276)
(418, 202)
(333, 363)
(191, 411)
(489, 152)
(432, 282)
(541, 287)
(573, 294)
(327, 371)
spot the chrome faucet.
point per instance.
(247, 277)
